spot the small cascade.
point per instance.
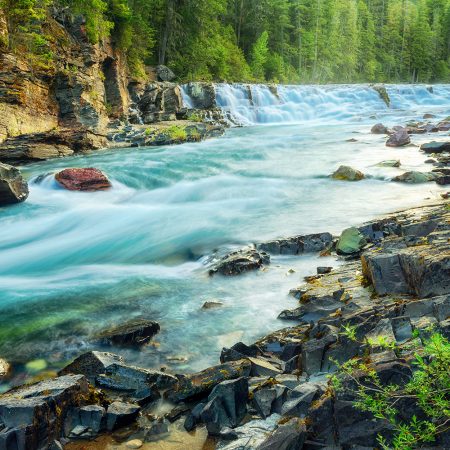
(249, 104)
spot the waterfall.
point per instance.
(250, 104)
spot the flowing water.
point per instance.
(73, 264)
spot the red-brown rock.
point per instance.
(88, 179)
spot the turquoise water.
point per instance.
(75, 263)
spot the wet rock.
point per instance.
(122, 377)
(347, 173)
(263, 368)
(298, 244)
(201, 383)
(212, 305)
(251, 435)
(240, 261)
(156, 429)
(323, 270)
(227, 434)
(419, 228)
(239, 351)
(193, 418)
(313, 353)
(443, 180)
(203, 95)
(379, 128)
(435, 147)
(120, 414)
(92, 364)
(93, 417)
(382, 92)
(262, 401)
(28, 412)
(289, 435)
(389, 163)
(399, 138)
(227, 405)
(88, 179)
(350, 242)
(164, 73)
(13, 188)
(415, 177)
(132, 334)
(5, 369)
(428, 115)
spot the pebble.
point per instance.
(135, 443)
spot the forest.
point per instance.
(285, 41)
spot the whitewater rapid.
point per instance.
(75, 263)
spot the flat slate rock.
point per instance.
(131, 334)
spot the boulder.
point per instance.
(263, 368)
(379, 128)
(120, 414)
(131, 334)
(240, 261)
(193, 418)
(93, 417)
(289, 435)
(382, 92)
(399, 138)
(91, 364)
(227, 405)
(202, 95)
(350, 242)
(347, 173)
(83, 179)
(28, 413)
(414, 177)
(13, 188)
(436, 147)
(239, 351)
(164, 73)
(443, 180)
(201, 383)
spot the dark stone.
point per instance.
(202, 95)
(435, 147)
(289, 435)
(93, 417)
(193, 418)
(13, 188)
(443, 180)
(263, 368)
(300, 399)
(379, 128)
(120, 414)
(399, 138)
(415, 177)
(239, 351)
(201, 383)
(91, 364)
(164, 73)
(85, 179)
(382, 92)
(240, 261)
(323, 270)
(134, 333)
(298, 244)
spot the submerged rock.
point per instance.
(347, 173)
(13, 188)
(83, 179)
(414, 177)
(399, 138)
(351, 241)
(436, 147)
(132, 334)
(211, 305)
(379, 128)
(389, 163)
(382, 92)
(240, 261)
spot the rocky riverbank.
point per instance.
(392, 289)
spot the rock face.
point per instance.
(399, 138)
(350, 242)
(414, 177)
(379, 128)
(347, 173)
(202, 95)
(132, 334)
(13, 188)
(88, 179)
(32, 416)
(240, 261)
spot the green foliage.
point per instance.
(176, 133)
(429, 387)
(315, 41)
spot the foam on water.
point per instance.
(74, 263)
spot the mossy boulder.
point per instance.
(347, 173)
(414, 177)
(350, 242)
(389, 163)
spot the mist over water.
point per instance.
(75, 263)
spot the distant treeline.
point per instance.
(260, 40)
